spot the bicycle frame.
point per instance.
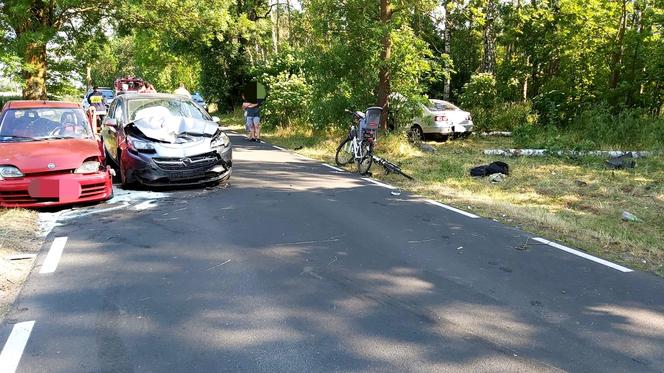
(356, 144)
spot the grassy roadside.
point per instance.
(575, 201)
(18, 235)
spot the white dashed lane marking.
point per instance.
(53, 256)
(13, 350)
(583, 255)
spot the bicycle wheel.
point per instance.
(364, 162)
(344, 154)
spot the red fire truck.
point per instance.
(127, 84)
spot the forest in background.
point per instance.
(559, 73)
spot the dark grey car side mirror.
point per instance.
(111, 122)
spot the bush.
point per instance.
(289, 101)
(504, 117)
(479, 92)
(5, 99)
(511, 115)
(629, 129)
(482, 118)
(597, 129)
(554, 108)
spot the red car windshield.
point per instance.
(44, 124)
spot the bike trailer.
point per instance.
(369, 125)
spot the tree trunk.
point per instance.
(489, 39)
(385, 56)
(275, 27)
(634, 90)
(88, 76)
(278, 16)
(290, 30)
(617, 55)
(447, 34)
(447, 83)
(34, 73)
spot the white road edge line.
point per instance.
(304, 157)
(279, 147)
(332, 167)
(13, 351)
(53, 256)
(436, 203)
(379, 183)
(583, 255)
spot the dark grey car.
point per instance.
(162, 139)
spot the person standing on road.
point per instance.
(253, 120)
(182, 91)
(96, 99)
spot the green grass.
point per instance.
(576, 201)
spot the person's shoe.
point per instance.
(257, 140)
(252, 139)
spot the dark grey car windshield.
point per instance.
(163, 107)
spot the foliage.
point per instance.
(5, 99)
(39, 34)
(223, 70)
(290, 100)
(480, 92)
(503, 117)
(556, 61)
(511, 115)
(597, 128)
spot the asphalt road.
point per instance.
(296, 267)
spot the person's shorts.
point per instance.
(252, 122)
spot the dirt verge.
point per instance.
(19, 243)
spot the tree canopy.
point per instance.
(318, 57)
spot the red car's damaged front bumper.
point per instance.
(57, 189)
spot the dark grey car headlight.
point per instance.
(139, 145)
(221, 140)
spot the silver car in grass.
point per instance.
(441, 119)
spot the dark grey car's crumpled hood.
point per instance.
(173, 129)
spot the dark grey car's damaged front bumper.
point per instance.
(157, 170)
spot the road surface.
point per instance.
(297, 267)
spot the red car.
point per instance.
(49, 156)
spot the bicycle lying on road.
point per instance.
(358, 146)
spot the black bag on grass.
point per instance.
(497, 167)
